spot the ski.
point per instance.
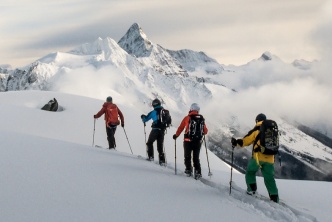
(156, 162)
(256, 195)
(196, 177)
(98, 146)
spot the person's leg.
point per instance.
(149, 144)
(160, 146)
(196, 150)
(251, 171)
(270, 183)
(187, 157)
(114, 129)
(110, 131)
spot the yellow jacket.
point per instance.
(250, 139)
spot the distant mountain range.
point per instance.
(177, 77)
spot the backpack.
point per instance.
(196, 127)
(112, 115)
(165, 118)
(268, 137)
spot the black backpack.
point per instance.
(269, 138)
(165, 118)
(196, 128)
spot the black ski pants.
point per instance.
(193, 147)
(156, 134)
(110, 130)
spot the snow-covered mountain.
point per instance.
(136, 43)
(136, 70)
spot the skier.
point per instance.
(192, 139)
(157, 132)
(258, 161)
(112, 114)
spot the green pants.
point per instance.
(268, 174)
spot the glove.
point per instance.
(122, 125)
(240, 142)
(174, 137)
(233, 141)
(143, 116)
(95, 116)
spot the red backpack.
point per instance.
(112, 115)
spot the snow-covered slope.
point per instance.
(51, 172)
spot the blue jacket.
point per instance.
(154, 116)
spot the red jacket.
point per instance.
(103, 111)
(185, 125)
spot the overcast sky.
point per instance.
(233, 32)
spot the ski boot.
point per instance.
(188, 173)
(197, 175)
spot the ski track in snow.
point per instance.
(262, 205)
(259, 204)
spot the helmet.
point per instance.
(195, 106)
(260, 117)
(156, 102)
(109, 99)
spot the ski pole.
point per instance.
(207, 157)
(127, 140)
(145, 141)
(165, 152)
(165, 157)
(175, 155)
(230, 182)
(94, 130)
(279, 156)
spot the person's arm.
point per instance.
(248, 139)
(101, 112)
(182, 126)
(148, 117)
(205, 129)
(121, 117)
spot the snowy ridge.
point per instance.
(305, 143)
(194, 61)
(104, 50)
(135, 42)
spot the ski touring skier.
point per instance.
(195, 129)
(258, 161)
(157, 132)
(112, 114)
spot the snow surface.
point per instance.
(51, 172)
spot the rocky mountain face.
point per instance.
(191, 61)
(26, 79)
(176, 77)
(136, 43)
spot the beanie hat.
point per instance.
(156, 102)
(109, 99)
(260, 117)
(195, 106)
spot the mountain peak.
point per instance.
(135, 42)
(137, 30)
(266, 56)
